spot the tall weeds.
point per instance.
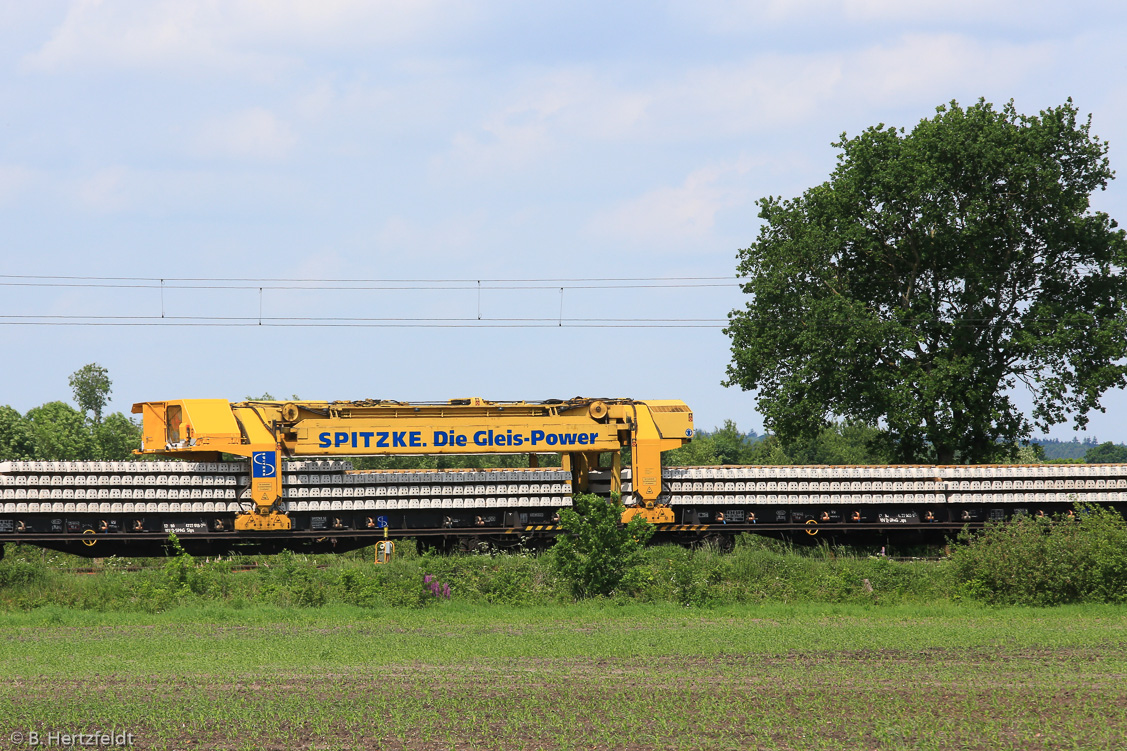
(1041, 560)
(1029, 561)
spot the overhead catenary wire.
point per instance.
(345, 318)
(73, 282)
(385, 287)
(469, 324)
(256, 280)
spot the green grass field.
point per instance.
(586, 676)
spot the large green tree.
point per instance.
(61, 433)
(931, 274)
(116, 436)
(17, 440)
(91, 386)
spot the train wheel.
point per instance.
(718, 541)
(474, 544)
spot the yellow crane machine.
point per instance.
(580, 430)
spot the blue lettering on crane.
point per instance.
(402, 439)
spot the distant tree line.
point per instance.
(56, 431)
(1055, 448)
(838, 443)
(1106, 453)
(856, 443)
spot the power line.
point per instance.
(256, 280)
(440, 285)
(364, 285)
(315, 319)
(280, 283)
(472, 324)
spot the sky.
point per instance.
(420, 201)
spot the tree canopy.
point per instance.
(837, 443)
(17, 442)
(61, 433)
(91, 386)
(930, 275)
(57, 431)
(1106, 453)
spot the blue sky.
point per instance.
(460, 141)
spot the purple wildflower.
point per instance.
(437, 588)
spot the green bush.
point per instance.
(400, 587)
(20, 573)
(1028, 561)
(597, 553)
(1033, 560)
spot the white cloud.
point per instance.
(779, 91)
(325, 263)
(743, 16)
(675, 215)
(318, 101)
(451, 237)
(254, 133)
(555, 112)
(231, 34)
(14, 181)
(121, 189)
(107, 190)
(922, 67)
(543, 110)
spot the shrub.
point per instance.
(1032, 560)
(402, 587)
(20, 573)
(598, 553)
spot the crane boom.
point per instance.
(580, 430)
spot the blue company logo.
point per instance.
(688, 432)
(263, 464)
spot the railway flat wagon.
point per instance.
(266, 476)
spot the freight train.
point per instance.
(262, 476)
